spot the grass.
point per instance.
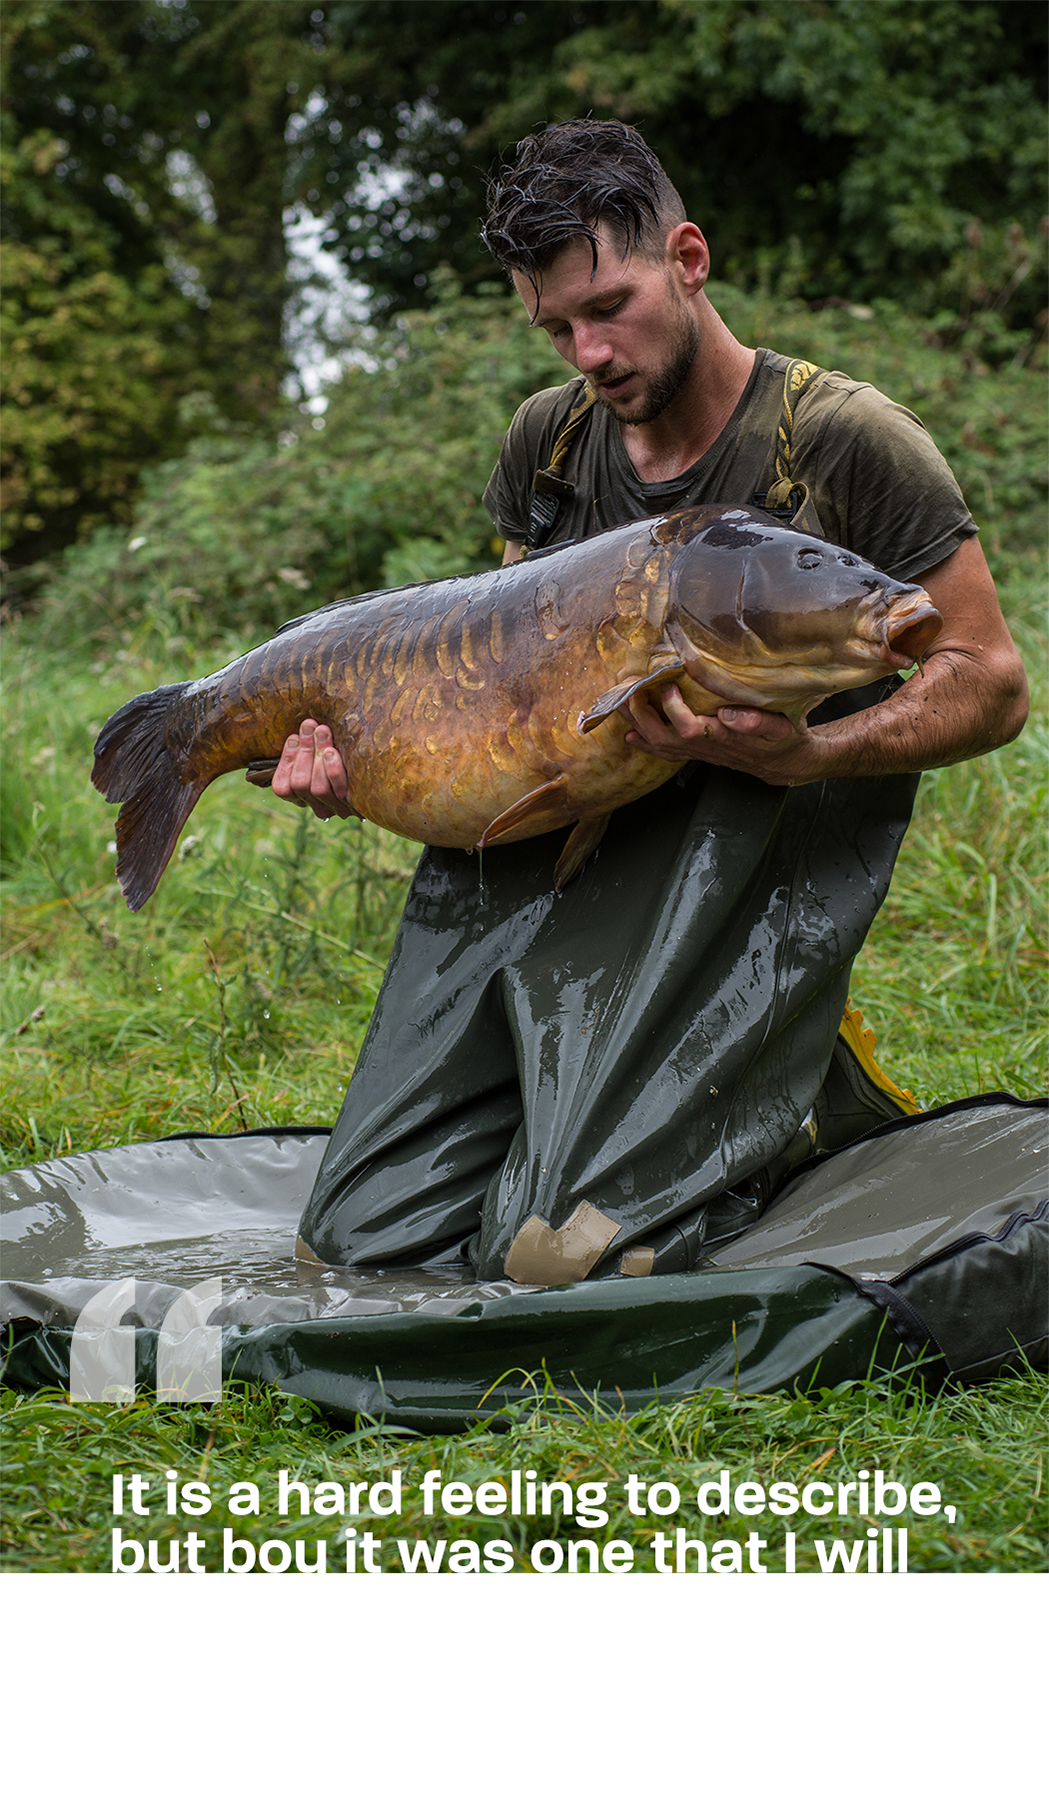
(982, 1449)
(238, 998)
(953, 975)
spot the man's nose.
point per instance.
(592, 350)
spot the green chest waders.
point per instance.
(613, 1080)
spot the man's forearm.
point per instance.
(945, 713)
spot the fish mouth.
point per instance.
(907, 630)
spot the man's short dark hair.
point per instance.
(568, 180)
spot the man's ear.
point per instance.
(688, 257)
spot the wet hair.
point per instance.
(568, 180)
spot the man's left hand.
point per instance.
(764, 744)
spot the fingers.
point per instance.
(660, 733)
(312, 773)
(769, 725)
(328, 775)
(747, 739)
(676, 732)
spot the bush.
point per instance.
(248, 528)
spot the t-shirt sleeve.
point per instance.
(885, 490)
(528, 446)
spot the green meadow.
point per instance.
(240, 995)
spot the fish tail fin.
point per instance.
(134, 765)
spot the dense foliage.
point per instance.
(155, 151)
(858, 139)
(167, 132)
(145, 240)
(249, 527)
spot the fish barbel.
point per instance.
(484, 709)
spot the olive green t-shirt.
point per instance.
(878, 483)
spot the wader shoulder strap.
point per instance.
(787, 499)
(548, 485)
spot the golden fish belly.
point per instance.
(444, 778)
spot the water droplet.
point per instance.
(265, 1015)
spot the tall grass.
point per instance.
(240, 995)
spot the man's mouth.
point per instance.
(615, 385)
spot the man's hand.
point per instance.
(312, 773)
(737, 737)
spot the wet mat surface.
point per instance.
(925, 1239)
(185, 1210)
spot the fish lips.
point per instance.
(908, 627)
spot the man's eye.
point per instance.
(609, 312)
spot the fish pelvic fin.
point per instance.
(607, 704)
(581, 844)
(539, 810)
(134, 765)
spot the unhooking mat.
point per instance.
(924, 1241)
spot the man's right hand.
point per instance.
(312, 773)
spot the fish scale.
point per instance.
(486, 709)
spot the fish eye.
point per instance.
(809, 559)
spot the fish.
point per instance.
(485, 709)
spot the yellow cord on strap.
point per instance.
(800, 376)
(587, 399)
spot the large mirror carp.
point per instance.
(484, 709)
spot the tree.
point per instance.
(174, 127)
(839, 149)
(145, 165)
(850, 143)
(95, 356)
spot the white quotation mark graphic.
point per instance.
(189, 1351)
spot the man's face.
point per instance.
(628, 329)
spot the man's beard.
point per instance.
(666, 384)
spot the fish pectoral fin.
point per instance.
(616, 697)
(533, 809)
(582, 844)
(261, 772)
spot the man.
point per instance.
(611, 1081)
